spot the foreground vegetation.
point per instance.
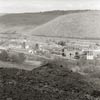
(52, 81)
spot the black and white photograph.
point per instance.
(49, 50)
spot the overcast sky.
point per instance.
(16, 6)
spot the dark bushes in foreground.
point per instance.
(51, 81)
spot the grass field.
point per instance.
(28, 65)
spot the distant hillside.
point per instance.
(23, 23)
(2, 14)
(19, 19)
(81, 25)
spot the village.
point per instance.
(51, 49)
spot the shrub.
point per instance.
(17, 58)
(3, 55)
(77, 56)
(14, 58)
(22, 57)
(62, 43)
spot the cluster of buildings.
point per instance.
(89, 50)
(69, 51)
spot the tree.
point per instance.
(36, 46)
(17, 57)
(62, 43)
(22, 57)
(3, 55)
(77, 56)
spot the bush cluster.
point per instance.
(18, 58)
(12, 57)
(3, 55)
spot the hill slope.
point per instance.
(24, 22)
(81, 25)
(19, 19)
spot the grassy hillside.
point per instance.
(81, 25)
(32, 18)
(25, 22)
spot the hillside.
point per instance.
(39, 18)
(80, 25)
(24, 22)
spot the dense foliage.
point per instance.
(3, 55)
(12, 57)
(48, 82)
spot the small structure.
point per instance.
(27, 47)
(89, 54)
(31, 51)
(90, 57)
(63, 52)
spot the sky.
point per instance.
(20, 6)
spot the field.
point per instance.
(28, 65)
